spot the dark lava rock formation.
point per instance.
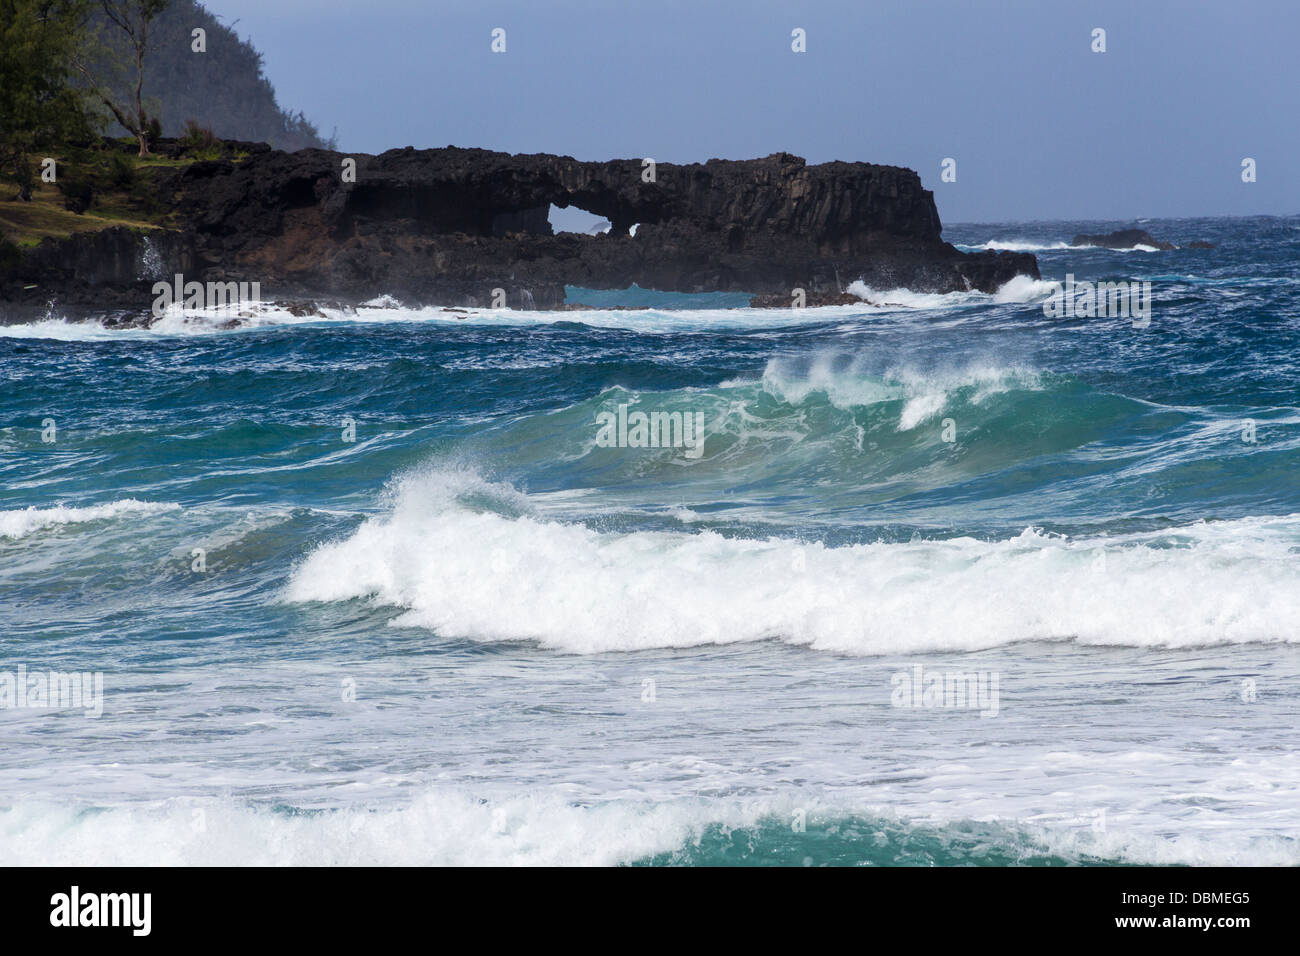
(450, 226)
(783, 300)
(1122, 239)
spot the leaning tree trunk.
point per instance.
(142, 129)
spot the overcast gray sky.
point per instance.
(1040, 126)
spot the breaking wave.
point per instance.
(450, 557)
(385, 309)
(456, 828)
(19, 523)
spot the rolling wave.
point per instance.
(853, 429)
(18, 523)
(449, 561)
(457, 828)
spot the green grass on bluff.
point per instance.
(96, 188)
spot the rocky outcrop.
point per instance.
(108, 272)
(451, 226)
(1122, 239)
(782, 300)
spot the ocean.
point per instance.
(946, 580)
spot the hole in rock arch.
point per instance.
(573, 219)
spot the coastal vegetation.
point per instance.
(103, 99)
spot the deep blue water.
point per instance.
(473, 634)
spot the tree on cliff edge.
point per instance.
(132, 18)
(222, 87)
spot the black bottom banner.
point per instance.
(1223, 907)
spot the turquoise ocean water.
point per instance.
(475, 634)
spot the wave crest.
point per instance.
(19, 523)
(486, 576)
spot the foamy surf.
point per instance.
(459, 828)
(269, 316)
(1018, 289)
(1029, 245)
(177, 321)
(487, 576)
(63, 330)
(18, 523)
(467, 671)
(437, 829)
(1015, 245)
(850, 384)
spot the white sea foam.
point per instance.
(488, 576)
(900, 298)
(1029, 245)
(60, 330)
(444, 828)
(385, 311)
(1014, 245)
(453, 827)
(382, 302)
(1023, 289)
(19, 523)
(177, 321)
(925, 392)
(920, 409)
(1019, 288)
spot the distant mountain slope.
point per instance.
(223, 88)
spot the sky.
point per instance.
(1040, 126)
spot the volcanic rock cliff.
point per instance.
(448, 226)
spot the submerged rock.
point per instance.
(780, 300)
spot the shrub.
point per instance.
(197, 137)
(24, 173)
(121, 171)
(11, 257)
(78, 194)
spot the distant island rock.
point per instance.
(1123, 239)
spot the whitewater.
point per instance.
(365, 587)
